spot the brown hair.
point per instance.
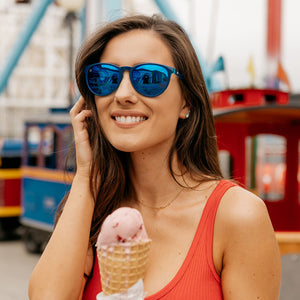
(195, 141)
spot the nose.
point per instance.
(125, 93)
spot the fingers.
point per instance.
(78, 117)
(78, 107)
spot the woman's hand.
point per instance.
(78, 116)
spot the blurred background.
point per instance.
(252, 44)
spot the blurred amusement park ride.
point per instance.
(257, 132)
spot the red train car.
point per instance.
(258, 133)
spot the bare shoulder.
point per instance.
(247, 247)
(242, 221)
(239, 206)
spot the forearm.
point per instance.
(59, 272)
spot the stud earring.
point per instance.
(187, 114)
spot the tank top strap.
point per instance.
(215, 198)
(208, 220)
(203, 239)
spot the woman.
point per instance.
(145, 138)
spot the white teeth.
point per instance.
(129, 119)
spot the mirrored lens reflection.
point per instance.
(149, 80)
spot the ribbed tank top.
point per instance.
(197, 278)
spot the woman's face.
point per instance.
(132, 122)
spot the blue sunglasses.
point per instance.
(148, 79)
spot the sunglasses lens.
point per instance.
(150, 80)
(103, 79)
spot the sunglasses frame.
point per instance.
(170, 71)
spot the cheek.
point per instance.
(101, 112)
(176, 94)
(166, 123)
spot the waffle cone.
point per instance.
(122, 265)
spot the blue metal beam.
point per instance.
(34, 19)
(113, 9)
(166, 9)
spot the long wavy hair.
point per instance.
(195, 142)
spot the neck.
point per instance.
(154, 185)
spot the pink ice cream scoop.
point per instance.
(124, 225)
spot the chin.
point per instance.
(126, 146)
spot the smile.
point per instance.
(129, 119)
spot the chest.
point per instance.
(172, 237)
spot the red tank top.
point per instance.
(197, 278)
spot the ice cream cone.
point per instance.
(122, 265)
